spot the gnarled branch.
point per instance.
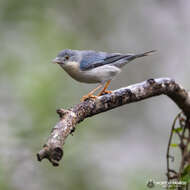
(53, 149)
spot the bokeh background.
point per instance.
(120, 149)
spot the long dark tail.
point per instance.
(131, 57)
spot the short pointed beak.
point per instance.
(56, 60)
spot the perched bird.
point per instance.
(94, 67)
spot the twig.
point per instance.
(168, 156)
(69, 118)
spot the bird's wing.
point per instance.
(94, 60)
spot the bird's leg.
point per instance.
(104, 91)
(90, 94)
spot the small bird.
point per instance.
(94, 67)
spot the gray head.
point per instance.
(66, 56)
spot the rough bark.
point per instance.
(53, 149)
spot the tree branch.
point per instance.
(53, 149)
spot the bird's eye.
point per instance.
(66, 57)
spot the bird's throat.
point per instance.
(72, 68)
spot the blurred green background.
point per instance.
(121, 149)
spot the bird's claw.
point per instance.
(88, 96)
(106, 92)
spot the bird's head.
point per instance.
(66, 57)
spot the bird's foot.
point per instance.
(105, 92)
(88, 96)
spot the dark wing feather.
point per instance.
(98, 60)
(114, 58)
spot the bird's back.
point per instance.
(91, 59)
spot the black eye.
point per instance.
(66, 57)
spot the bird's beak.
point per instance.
(56, 60)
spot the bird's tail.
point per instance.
(130, 58)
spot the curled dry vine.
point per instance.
(181, 129)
